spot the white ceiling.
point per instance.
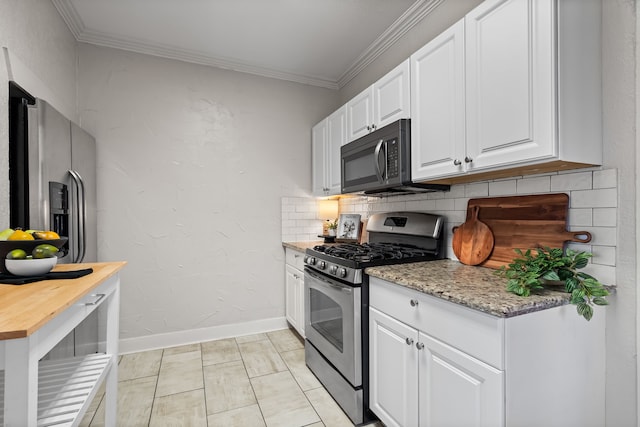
(318, 42)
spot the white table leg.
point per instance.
(20, 383)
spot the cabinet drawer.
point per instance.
(473, 332)
(294, 258)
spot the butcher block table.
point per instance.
(36, 316)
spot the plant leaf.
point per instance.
(600, 301)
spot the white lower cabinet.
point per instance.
(417, 380)
(434, 363)
(294, 289)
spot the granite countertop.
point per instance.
(470, 286)
(301, 246)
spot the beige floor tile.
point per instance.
(251, 338)
(138, 365)
(179, 373)
(249, 416)
(285, 340)
(296, 364)
(282, 402)
(220, 351)
(181, 349)
(180, 410)
(327, 408)
(316, 425)
(261, 358)
(135, 399)
(227, 387)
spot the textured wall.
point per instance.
(192, 164)
(44, 63)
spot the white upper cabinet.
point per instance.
(326, 139)
(529, 93)
(384, 102)
(438, 124)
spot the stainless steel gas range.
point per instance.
(337, 300)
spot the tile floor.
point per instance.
(250, 381)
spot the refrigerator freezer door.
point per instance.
(49, 159)
(84, 227)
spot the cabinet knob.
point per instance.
(457, 162)
(368, 127)
(419, 345)
(409, 341)
(468, 159)
(413, 302)
(373, 127)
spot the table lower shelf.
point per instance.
(66, 387)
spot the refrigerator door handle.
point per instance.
(81, 212)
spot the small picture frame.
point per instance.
(349, 227)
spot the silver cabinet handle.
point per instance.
(409, 341)
(413, 302)
(97, 301)
(457, 162)
(419, 345)
(468, 159)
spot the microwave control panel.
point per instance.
(393, 155)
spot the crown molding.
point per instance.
(401, 26)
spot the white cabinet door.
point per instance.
(294, 298)
(384, 102)
(510, 74)
(393, 370)
(318, 159)
(457, 389)
(336, 138)
(391, 96)
(437, 105)
(360, 114)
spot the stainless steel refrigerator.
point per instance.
(62, 181)
(53, 187)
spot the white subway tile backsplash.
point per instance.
(605, 217)
(575, 181)
(580, 217)
(540, 184)
(599, 198)
(605, 255)
(606, 274)
(605, 178)
(445, 205)
(455, 192)
(593, 201)
(478, 189)
(502, 188)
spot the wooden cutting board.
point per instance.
(525, 222)
(473, 240)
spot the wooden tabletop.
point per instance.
(26, 308)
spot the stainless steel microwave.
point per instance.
(380, 163)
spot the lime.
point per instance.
(17, 254)
(44, 251)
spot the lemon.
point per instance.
(20, 235)
(44, 251)
(17, 254)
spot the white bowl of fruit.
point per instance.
(29, 253)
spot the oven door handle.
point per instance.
(326, 282)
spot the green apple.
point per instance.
(4, 234)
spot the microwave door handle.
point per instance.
(376, 154)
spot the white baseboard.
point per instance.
(173, 339)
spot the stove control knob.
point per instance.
(311, 260)
(343, 272)
(322, 265)
(333, 269)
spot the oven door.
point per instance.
(332, 323)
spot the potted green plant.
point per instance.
(546, 267)
(332, 227)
